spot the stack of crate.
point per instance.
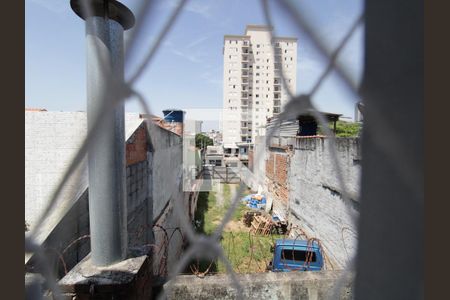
(261, 225)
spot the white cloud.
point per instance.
(56, 6)
(197, 42)
(196, 7)
(191, 57)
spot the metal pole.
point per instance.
(105, 24)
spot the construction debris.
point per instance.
(249, 216)
(261, 224)
(255, 201)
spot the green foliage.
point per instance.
(344, 129)
(202, 141)
(347, 129)
(247, 253)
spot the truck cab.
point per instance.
(296, 255)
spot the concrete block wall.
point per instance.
(75, 223)
(139, 216)
(61, 241)
(270, 285)
(154, 187)
(315, 202)
(167, 192)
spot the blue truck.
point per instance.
(296, 255)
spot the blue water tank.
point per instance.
(173, 115)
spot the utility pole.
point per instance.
(105, 22)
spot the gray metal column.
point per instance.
(105, 25)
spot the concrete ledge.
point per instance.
(128, 279)
(270, 285)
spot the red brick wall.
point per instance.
(281, 164)
(250, 159)
(277, 166)
(136, 147)
(269, 166)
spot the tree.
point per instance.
(344, 129)
(202, 141)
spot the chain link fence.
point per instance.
(117, 91)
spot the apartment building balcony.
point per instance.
(244, 95)
(245, 73)
(245, 58)
(277, 103)
(277, 81)
(277, 88)
(276, 110)
(245, 66)
(277, 95)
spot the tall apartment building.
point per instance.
(252, 87)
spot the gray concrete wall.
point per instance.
(290, 285)
(153, 186)
(139, 216)
(75, 223)
(315, 200)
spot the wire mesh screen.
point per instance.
(200, 246)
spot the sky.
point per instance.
(187, 69)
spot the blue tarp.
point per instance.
(252, 202)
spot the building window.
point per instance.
(257, 45)
(257, 67)
(257, 81)
(267, 60)
(257, 74)
(257, 102)
(234, 86)
(257, 95)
